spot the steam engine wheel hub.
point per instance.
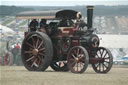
(76, 59)
(35, 51)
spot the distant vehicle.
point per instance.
(124, 33)
(125, 58)
(65, 43)
(118, 62)
(121, 60)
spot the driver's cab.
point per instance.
(68, 22)
(54, 22)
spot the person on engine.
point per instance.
(33, 25)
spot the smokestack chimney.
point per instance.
(89, 16)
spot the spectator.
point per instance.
(15, 52)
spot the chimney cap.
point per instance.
(90, 7)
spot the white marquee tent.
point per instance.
(114, 41)
(6, 30)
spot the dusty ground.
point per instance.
(14, 75)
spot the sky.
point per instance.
(62, 2)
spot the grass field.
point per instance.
(2, 47)
(7, 22)
(14, 75)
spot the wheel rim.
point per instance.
(76, 60)
(105, 63)
(34, 52)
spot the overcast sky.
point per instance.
(62, 2)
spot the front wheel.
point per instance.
(106, 62)
(78, 59)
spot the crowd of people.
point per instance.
(11, 55)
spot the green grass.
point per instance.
(2, 47)
(1, 17)
(23, 23)
(14, 75)
(7, 22)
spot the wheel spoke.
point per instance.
(31, 49)
(97, 55)
(81, 56)
(81, 52)
(39, 57)
(106, 61)
(30, 55)
(82, 59)
(33, 42)
(72, 64)
(105, 54)
(29, 44)
(80, 65)
(42, 49)
(30, 59)
(102, 54)
(97, 65)
(107, 58)
(40, 45)
(38, 63)
(75, 51)
(42, 54)
(78, 51)
(73, 56)
(104, 65)
(37, 42)
(27, 51)
(77, 66)
(34, 64)
(71, 60)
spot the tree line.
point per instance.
(98, 10)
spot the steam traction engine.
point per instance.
(65, 47)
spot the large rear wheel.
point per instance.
(37, 51)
